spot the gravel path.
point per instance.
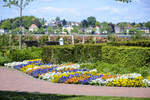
(13, 80)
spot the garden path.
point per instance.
(13, 80)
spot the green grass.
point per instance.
(6, 95)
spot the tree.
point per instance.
(57, 19)
(50, 30)
(84, 23)
(106, 28)
(123, 25)
(64, 22)
(20, 4)
(91, 20)
(97, 23)
(6, 24)
(147, 25)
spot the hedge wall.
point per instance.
(69, 53)
(124, 55)
(142, 43)
(127, 56)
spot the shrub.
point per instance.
(117, 68)
(25, 54)
(69, 53)
(3, 59)
(57, 54)
(127, 56)
(87, 53)
(142, 43)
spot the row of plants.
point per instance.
(71, 53)
(73, 74)
(142, 43)
(127, 56)
(13, 39)
(9, 55)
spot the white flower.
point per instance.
(146, 81)
(94, 70)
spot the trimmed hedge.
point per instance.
(69, 53)
(57, 54)
(127, 56)
(25, 54)
(123, 55)
(142, 43)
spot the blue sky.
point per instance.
(77, 10)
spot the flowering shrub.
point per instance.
(72, 74)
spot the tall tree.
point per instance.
(147, 25)
(91, 20)
(19, 4)
(84, 23)
(64, 22)
(57, 19)
(6, 25)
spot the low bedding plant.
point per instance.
(73, 74)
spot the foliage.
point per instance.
(91, 21)
(117, 68)
(77, 53)
(4, 59)
(57, 54)
(127, 56)
(6, 24)
(25, 54)
(106, 28)
(148, 25)
(14, 23)
(142, 43)
(84, 23)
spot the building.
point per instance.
(33, 28)
(68, 28)
(97, 30)
(145, 30)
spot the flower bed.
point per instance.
(72, 74)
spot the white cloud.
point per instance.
(109, 9)
(73, 11)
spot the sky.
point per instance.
(77, 10)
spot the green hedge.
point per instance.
(25, 54)
(127, 56)
(142, 43)
(69, 53)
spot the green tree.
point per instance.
(50, 30)
(6, 25)
(57, 19)
(91, 20)
(106, 28)
(84, 23)
(64, 22)
(147, 25)
(19, 4)
(97, 23)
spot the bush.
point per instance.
(87, 53)
(117, 68)
(3, 59)
(70, 53)
(25, 54)
(142, 43)
(127, 56)
(57, 54)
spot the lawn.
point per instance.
(7, 95)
